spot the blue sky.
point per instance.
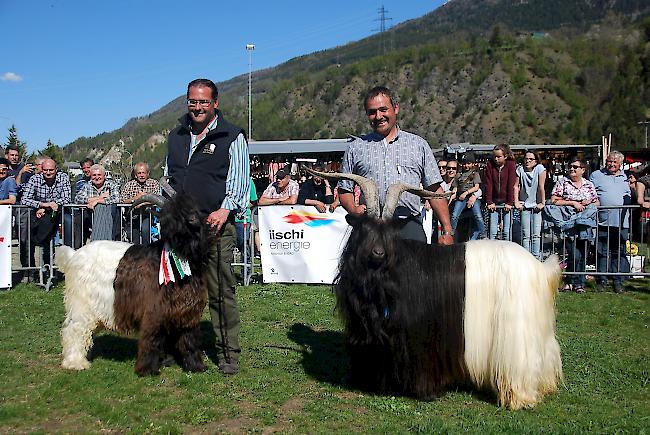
(71, 68)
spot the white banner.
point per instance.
(299, 244)
(5, 246)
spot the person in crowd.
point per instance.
(77, 224)
(613, 224)
(207, 159)
(139, 220)
(101, 196)
(643, 199)
(643, 189)
(499, 184)
(466, 185)
(45, 193)
(84, 177)
(7, 184)
(284, 191)
(574, 195)
(391, 155)
(244, 224)
(451, 172)
(529, 199)
(20, 171)
(442, 167)
(316, 191)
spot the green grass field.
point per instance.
(290, 380)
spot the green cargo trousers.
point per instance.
(222, 303)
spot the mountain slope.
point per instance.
(469, 71)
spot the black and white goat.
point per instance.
(115, 285)
(419, 318)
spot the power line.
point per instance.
(382, 28)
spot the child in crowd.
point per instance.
(499, 183)
(466, 186)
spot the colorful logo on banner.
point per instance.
(309, 219)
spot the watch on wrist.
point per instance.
(447, 233)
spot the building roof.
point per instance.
(298, 146)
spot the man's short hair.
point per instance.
(380, 90)
(146, 166)
(12, 147)
(618, 155)
(203, 82)
(4, 161)
(97, 167)
(87, 160)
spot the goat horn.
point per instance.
(150, 198)
(164, 184)
(394, 192)
(368, 187)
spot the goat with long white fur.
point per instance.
(115, 285)
(419, 318)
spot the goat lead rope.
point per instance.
(222, 306)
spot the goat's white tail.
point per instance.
(553, 273)
(63, 256)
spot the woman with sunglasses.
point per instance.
(577, 192)
(529, 198)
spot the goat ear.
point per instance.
(354, 220)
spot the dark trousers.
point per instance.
(576, 257)
(42, 231)
(610, 249)
(222, 302)
(76, 226)
(139, 227)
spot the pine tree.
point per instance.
(54, 152)
(12, 139)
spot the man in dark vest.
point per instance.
(207, 159)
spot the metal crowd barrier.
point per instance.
(139, 226)
(74, 228)
(620, 251)
(75, 223)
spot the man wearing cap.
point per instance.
(390, 155)
(284, 191)
(208, 160)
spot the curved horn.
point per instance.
(151, 199)
(164, 184)
(368, 187)
(394, 192)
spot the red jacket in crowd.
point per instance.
(499, 184)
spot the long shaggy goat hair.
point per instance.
(115, 285)
(420, 318)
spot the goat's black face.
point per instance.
(181, 225)
(373, 240)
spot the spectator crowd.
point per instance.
(488, 200)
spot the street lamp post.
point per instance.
(250, 48)
(646, 131)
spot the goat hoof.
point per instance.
(75, 365)
(147, 371)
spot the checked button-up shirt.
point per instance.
(37, 191)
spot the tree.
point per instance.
(12, 139)
(54, 152)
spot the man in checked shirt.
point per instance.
(45, 193)
(390, 155)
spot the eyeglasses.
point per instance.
(3, 169)
(451, 168)
(575, 167)
(442, 166)
(202, 103)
